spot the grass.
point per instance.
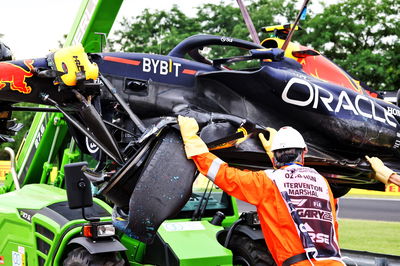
(372, 236)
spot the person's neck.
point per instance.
(289, 164)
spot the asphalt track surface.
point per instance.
(370, 209)
(358, 208)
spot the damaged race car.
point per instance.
(121, 108)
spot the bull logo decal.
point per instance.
(16, 76)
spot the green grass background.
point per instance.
(371, 236)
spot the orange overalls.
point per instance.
(279, 229)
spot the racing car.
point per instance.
(121, 108)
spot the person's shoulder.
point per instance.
(309, 170)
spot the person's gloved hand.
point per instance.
(194, 145)
(267, 143)
(382, 172)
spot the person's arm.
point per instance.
(249, 186)
(382, 172)
(245, 185)
(394, 179)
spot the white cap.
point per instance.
(286, 138)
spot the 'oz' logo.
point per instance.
(91, 146)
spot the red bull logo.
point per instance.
(16, 76)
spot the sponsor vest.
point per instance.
(306, 194)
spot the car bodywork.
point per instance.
(123, 117)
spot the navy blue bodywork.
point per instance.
(340, 125)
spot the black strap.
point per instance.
(297, 258)
(224, 140)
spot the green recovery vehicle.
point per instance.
(41, 229)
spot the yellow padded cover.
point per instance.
(73, 60)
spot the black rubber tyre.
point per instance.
(81, 257)
(247, 252)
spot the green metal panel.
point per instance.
(95, 17)
(135, 250)
(34, 196)
(45, 148)
(34, 153)
(66, 234)
(50, 225)
(65, 239)
(17, 234)
(28, 147)
(195, 243)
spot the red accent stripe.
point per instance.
(122, 60)
(189, 71)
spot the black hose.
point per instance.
(229, 235)
(195, 213)
(205, 204)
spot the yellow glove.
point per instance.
(194, 145)
(267, 143)
(382, 172)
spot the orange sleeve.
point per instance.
(249, 186)
(334, 204)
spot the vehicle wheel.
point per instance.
(247, 252)
(81, 257)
